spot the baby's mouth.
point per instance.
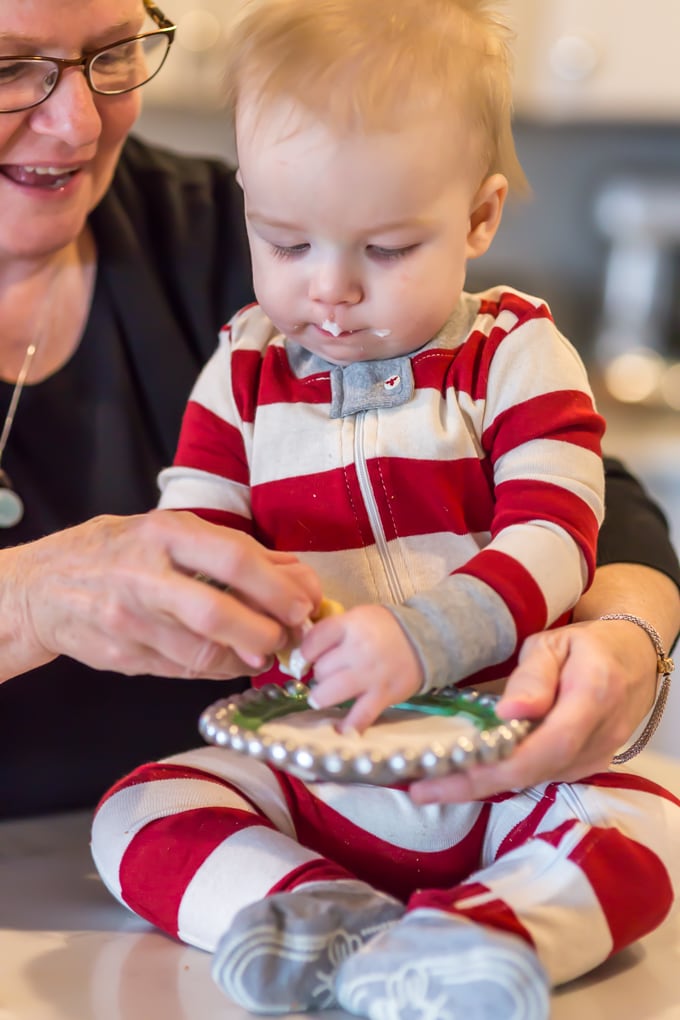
(50, 178)
(332, 327)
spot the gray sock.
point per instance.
(432, 966)
(281, 953)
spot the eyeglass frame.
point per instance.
(165, 27)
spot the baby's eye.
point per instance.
(377, 251)
(289, 251)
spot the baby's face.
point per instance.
(359, 241)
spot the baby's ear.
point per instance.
(486, 211)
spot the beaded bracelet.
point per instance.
(664, 668)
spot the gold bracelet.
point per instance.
(664, 668)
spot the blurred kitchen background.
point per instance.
(597, 104)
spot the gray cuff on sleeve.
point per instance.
(456, 629)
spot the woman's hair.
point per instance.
(371, 64)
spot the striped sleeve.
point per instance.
(210, 473)
(529, 400)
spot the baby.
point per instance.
(435, 456)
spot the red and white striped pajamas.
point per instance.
(462, 487)
(578, 870)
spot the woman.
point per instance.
(118, 263)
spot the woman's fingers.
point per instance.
(105, 590)
(531, 688)
(270, 580)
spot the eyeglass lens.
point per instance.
(120, 68)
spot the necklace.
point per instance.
(11, 504)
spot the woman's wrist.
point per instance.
(664, 669)
(19, 649)
(642, 606)
(664, 663)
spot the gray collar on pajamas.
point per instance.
(376, 385)
(361, 386)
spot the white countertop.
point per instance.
(68, 951)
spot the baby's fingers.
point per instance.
(363, 712)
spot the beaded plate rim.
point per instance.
(222, 724)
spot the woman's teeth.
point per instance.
(55, 171)
(50, 177)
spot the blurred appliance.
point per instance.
(640, 218)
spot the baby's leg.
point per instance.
(573, 872)
(579, 870)
(197, 841)
(189, 841)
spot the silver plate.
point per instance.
(246, 723)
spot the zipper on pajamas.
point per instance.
(372, 512)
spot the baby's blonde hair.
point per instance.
(370, 64)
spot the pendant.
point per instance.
(11, 505)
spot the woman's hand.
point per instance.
(592, 683)
(119, 593)
(362, 654)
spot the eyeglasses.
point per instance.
(109, 71)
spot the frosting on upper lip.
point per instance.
(331, 327)
(328, 326)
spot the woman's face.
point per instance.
(57, 159)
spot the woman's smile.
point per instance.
(46, 178)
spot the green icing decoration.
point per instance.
(275, 703)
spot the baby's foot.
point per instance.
(432, 966)
(281, 953)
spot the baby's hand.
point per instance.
(291, 658)
(362, 654)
